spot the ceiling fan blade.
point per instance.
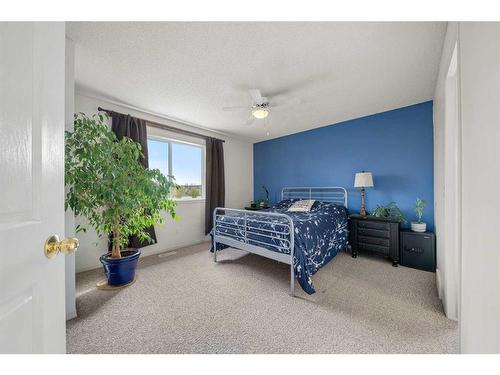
(256, 96)
(286, 100)
(236, 108)
(299, 85)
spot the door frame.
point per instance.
(452, 187)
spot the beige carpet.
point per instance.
(186, 303)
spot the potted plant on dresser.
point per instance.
(114, 193)
(419, 225)
(389, 211)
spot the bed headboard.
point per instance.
(332, 194)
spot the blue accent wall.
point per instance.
(396, 146)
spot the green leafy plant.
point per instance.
(107, 185)
(390, 211)
(419, 209)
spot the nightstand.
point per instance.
(375, 235)
(418, 250)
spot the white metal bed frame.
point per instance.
(240, 240)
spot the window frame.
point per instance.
(170, 141)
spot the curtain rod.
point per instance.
(163, 126)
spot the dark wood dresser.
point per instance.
(375, 235)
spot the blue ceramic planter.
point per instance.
(122, 270)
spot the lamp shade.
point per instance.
(363, 179)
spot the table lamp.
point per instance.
(363, 180)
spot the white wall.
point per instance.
(448, 250)
(238, 158)
(69, 217)
(480, 103)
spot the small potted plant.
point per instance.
(419, 225)
(114, 193)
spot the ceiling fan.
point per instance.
(259, 109)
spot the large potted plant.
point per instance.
(114, 193)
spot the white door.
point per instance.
(32, 316)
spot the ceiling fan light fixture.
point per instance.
(260, 113)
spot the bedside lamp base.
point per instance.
(363, 212)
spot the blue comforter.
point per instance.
(319, 235)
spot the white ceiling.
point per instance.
(190, 71)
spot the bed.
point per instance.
(304, 240)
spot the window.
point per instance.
(183, 161)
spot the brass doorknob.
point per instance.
(53, 246)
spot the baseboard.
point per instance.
(70, 315)
(438, 284)
(205, 239)
(450, 314)
(167, 250)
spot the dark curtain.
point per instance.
(215, 185)
(135, 129)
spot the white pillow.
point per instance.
(301, 206)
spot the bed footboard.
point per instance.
(245, 234)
